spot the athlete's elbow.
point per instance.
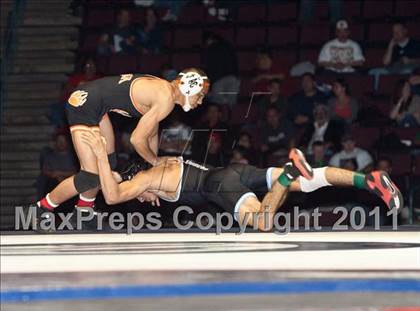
(111, 199)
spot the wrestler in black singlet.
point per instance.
(91, 101)
(220, 186)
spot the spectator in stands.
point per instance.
(175, 139)
(384, 164)
(239, 155)
(221, 65)
(57, 164)
(276, 133)
(120, 39)
(302, 103)
(174, 8)
(401, 57)
(406, 110)
(341, 55)
(168, 72)
(414, 81)
(343, 107)
(265, 71)
(215, 156)
(362, 158)
(319, 157)
(323, 129)
(245, 142)
(275, 98)
(211, 124)
(149, 36)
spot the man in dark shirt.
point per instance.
(302, 103)
(402, 55)
(276, 134)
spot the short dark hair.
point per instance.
(344, 84)
(276, 80)
(318, 143)
(308, 74)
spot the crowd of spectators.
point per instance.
(315, 116)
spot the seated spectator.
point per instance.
(406, 110)
(343, 107)
(215, 156)
(120, 39)
(245, 142)
(211, 124)
(401, 57)
(239, 155)
(276, 133)
(265, 71)
(323, 129)
(319, 157)
(57, 165)
(149, 36)
(384, 164)
(302, 103)
(221, 65)
(174, 8)
(363, 160)
(175, 139)
(341, 55)
(275, 98)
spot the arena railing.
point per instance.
(14, 20)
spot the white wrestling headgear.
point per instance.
(190, 84)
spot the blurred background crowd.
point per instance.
(338, 79)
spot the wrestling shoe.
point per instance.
(298, 159)
(380, 183)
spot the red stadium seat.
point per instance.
(374, 57)
(365, 136)
(90, 42)
(152, 64)
(186, 60)
(407, 133)
(99, 17)
(407, 8)
(359, 84)
(284, 59)
(102, 64)
(227, 33)
(282, 36)
(250, 36)
(167, 39)
(283, 11)
(187, 38)
(309, 55)
(357, 32)
(251, 13)
(401, 163)
(351, 8)
(414, 29)
(246, 87)
(192, 14)
(379, 32)
(246, 61)
(120, 64)
(138, 16)
(377, 8)
(315, 34)
(387, 83)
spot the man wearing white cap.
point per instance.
(341, 55)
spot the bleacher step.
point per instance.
(38, 86)
(25, 147)
(22, 165)
(16, 182)
(20, 174)
(23, 191)
(34, 94)
(19, 156)
(25, 137)
(53, 45)
(26, 111)
(47, 20)
(27, 129)
(25, 119)
(48, 54)
(46, 31)
(28, 103)
(15, 200)
(37, 77)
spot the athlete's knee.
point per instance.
(84, 181)
(318, 181)
(113, 161)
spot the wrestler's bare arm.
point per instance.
(144, 137)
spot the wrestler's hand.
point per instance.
(167, 160)
(96, 142)
(149, 197)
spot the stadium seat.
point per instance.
(285, 58)
(359, 84)
(185, 60)
(414, 29)
(90, 42)
(251, 13)
(120, 64)
(377, 8)
(374, 57)
(315, 34)
(407, 133)
(357, 32)
(365, 136)
(379, 32)
(138, 16)
(246, 61)
(247, 37)
(246, 88)
(167, 38)
(187, 38)
(280, 36)
(101, 64)
(401, 163)
(151, 63)
(284, 11)
(99, 17)
(352, 9)
(310, 55)
(227, 33)
(407, 8)
(244, 113)
(192, 15)
(388, 82)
